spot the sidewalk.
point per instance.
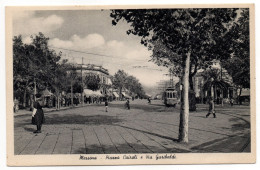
(52, 109)
(143, 129)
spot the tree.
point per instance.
(33, 65)
(92, 81)
(134, 86)
(213, 80)
(238, 65)
(189, 35)
(119, 81)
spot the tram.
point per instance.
(170, 97)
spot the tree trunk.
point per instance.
(222, 97)
(239, 97)
(24, 97)
(31, 101)
(191, 82)
(120, 93)
(212, 95)
(71, 94)
(184, 111)
(58, 102)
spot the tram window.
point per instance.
(170, 95)
(173, 95)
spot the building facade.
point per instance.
(102, 73)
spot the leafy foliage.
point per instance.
(212, 78)
(35, 62)
(92, 81)
(238, 66)
(122, 80)
(188, 38)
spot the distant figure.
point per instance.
(38, 115)
(211, 108)
(106, 104)
(149, 100)
(231, 101)
(128, 104)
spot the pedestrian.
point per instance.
(231, 101)
(38, 116)
(128, 104)
(211, 107)
(106, 104)
(149, 100)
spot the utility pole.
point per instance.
(82, 93)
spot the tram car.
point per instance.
(170, 97)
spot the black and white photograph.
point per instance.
(130, 85)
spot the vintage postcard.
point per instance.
(122, 85)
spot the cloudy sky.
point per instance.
(91, 32)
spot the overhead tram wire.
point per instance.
(84, 52)
(102, 55)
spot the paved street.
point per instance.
(143, 129)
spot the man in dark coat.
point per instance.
(38, 118)
(128, 104)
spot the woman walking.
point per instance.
(38, 115)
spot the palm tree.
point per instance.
(213, 81)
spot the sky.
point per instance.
(90, 31)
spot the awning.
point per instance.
(88, 92)
(126, 96)
(97, 93)
(115, 94)
(109, 93)
(46, 93)
(245, 92)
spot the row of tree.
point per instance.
(35, 66)
(190, 39)
(121, 80)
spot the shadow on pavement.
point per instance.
(57, 119)
(30, 129)
(149, 108)
(81, 119)
(235, 144)
(150, 133)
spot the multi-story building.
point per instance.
(102, 73)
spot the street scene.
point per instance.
(143, 129)
(131, 81)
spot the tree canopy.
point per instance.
(33, 62)
(238, 65)
(122, 80)
(92, 81)
(184, 37)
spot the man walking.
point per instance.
(128, 104)
(211, 108)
